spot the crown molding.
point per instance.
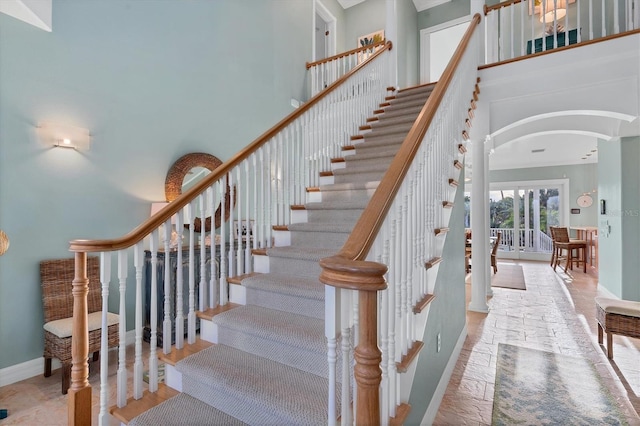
(346, 4)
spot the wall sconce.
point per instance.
(64, 136)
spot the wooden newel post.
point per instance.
(79, 402)
(367, 278)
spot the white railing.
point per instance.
(517, 28)
(411, 235)
(264, 179)
(529, 240)
(321, 74)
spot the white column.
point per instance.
(478, 232)
(488, 149)
(391, 33)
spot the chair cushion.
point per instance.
(620, 307)
(62, 327)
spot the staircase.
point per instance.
(269, 364)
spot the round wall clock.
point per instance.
(584, 200)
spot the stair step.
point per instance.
(402, 412)
(136, 407)
(177, 355)
(255, 390)
(433, 262)
(447, 204)
(423, 303)
(441, 231)
(453, 182)
(283, 292)
(462, 149)
(239, 278)
(182, 409)
(457, 164)
(407, 359)
(212, 312)
(420, 87)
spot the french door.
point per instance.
(524, 212)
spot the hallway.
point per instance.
(556, 313)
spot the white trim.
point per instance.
(425, 34)
(28, 369)
(346, 4)
(327, 16)
(436, 400)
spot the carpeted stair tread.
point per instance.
(390, 121)
(256, 390)
(309, 288)
(338, 205)
(399, 110)
(367, 145)
(349, 186)
(183, 409)
(301, 253)
(381, 152)
(369, 167)
(393, 138)
(294, 330)
(390, 130)
(338, 227)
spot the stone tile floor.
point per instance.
(556, 313)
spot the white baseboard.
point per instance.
(432, 410)
(35, 367)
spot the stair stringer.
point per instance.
(421, 319)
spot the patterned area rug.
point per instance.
(508, 276)
(543, 388)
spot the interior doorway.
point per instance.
(437, 45)
(324, 32)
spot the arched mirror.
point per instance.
(186, 172)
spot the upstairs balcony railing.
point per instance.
(517, 28)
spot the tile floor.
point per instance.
(556, 313)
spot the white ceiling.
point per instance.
(559, 149)
(420, 4)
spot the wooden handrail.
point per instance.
(370, 222)
(488, 9)
(343, 54)
(175, 206)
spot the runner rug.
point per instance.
(508, 276)
(543, 388)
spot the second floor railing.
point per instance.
(517, 28)
(324, 72)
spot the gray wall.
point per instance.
(618, 252)
(364, 18)
(408, 44)
(447, 316)
(582, 178)
(338, 12)
(152, 81)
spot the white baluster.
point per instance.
(138, 262)
(105, 280)
(202, 296)
(250, 237)
(179, 283)
(590, 19)
(213, 274)
(223, 242)
(239, 195)
(232, 235)
(511, 33)
(579, 28)
(122, 354)
(166, 324)
(604, 21)
(153, 302)
(345, 340)
(191, 317)
(331, 298)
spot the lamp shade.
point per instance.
(547, 8)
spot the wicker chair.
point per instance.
(56, 277)
(576, 250)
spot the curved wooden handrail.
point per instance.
(343, 54)
(370, 222)
(172, 208)
(488, 9)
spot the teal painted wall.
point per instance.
(152, 81)
(443, 13)
(618, 252)
(630, 216)
(408, 43)
(609, 189)
(447, 316)
(582, 178)
(362, 19)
